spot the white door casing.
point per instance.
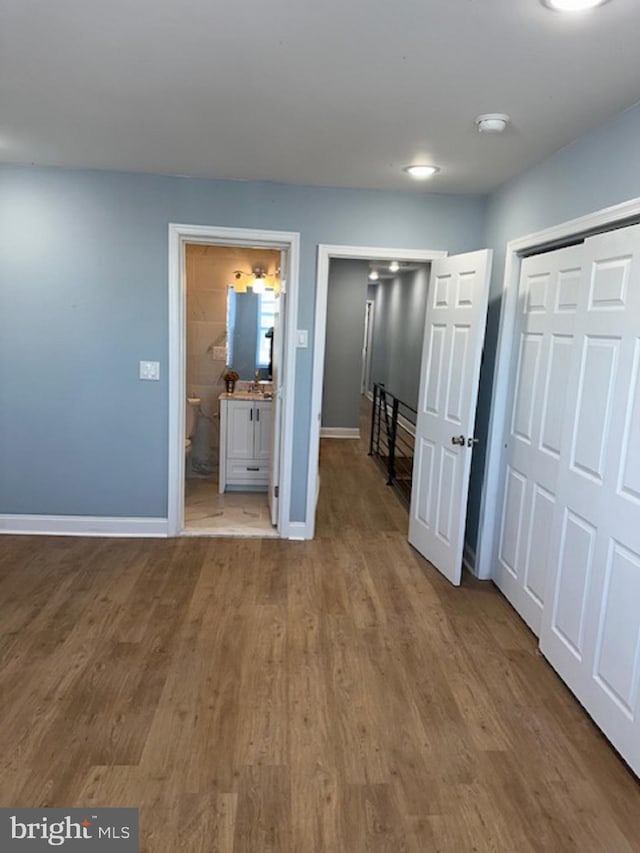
(451, 356)
(547, 309)
(277, 377)
(179, 236)
(591, 619)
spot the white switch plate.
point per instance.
(149, 370)
(302, 338)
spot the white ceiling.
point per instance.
(328, 93)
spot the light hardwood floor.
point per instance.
(336, 696)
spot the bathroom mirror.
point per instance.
(249, 319)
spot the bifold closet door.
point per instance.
(548, 298)
(591, 616)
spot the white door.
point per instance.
(277, 379)
(451, 354)
(547, 302)
(591, 619)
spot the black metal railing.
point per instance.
(392, 438)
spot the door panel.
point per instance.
(454, 335)
(548, 290)
(591, 619)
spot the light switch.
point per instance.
(302, 338)
(149, 370)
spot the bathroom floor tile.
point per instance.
(206, 512)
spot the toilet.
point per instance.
(191, 422)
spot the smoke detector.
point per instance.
(492, 122)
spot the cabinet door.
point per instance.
(262, 422)
(240, 424)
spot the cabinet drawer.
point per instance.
(247, 471)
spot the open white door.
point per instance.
(277, 380)
(451, 354)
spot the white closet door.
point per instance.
(591, 619)
(548, 296)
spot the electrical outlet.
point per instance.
(302, 338)
(150, 370)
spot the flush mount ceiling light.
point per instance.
(572, 5)
(374, 275)
(492, 122)
(394, 266)
(421, 171)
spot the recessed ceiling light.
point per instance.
(421, 172)
(572, 5)
(394, 266)
(374, 275)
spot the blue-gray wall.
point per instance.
(83, 298)
(346, 299)
(599, 170)
(398, 333)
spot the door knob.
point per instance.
(458, 439)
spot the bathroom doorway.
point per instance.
(230, 367)
(230, 319)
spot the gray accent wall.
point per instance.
(599, 170)
(398, 333)
(84, 297)
(346, 298)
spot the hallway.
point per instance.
(335, 696)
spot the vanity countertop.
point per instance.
(246, 395)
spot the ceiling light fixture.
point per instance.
(492, 122)
(394, 266)
(374, 275)
(421, 171)
(572, 5)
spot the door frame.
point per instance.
(370, 309)
(212, 235)
(563, 234)
(327, 252)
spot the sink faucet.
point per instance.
(256, 381)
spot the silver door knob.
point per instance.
(458, 439)
(472, 441)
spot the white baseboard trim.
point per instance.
(339, 432)
(82, 525)
(298, 530)
(469, 559)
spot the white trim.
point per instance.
(179, 235)
(298, 531)
(82, 525)
(327, 251)
(554, 237)
(339, 432)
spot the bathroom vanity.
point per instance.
(245, 441)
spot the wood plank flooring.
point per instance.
(336, 696)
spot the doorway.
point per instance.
(450, 366)
(277, 398)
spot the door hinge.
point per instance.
(276, 491)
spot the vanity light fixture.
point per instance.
(374, 275)
(420, 171)
(394, 266)
(572, 5)
(259, 280)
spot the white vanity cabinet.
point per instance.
(245, 442)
